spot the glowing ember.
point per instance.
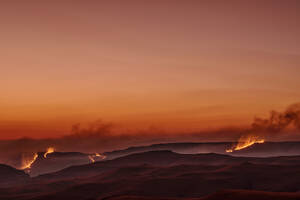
(245, 142)
(49, 150)
(26, 164)
(99, 155)
(92, 157)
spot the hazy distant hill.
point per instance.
(266, 149)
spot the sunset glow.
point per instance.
(181, 71)
(149, 99)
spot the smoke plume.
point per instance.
(278, 121)
(101, 136)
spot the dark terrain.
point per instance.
(162, 175)
(57, 161)
(60, 160)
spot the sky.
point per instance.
(169, 65)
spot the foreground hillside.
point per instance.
(225, 195)
(10, 176)
(167, 175)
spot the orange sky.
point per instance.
(176, 65)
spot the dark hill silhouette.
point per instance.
(60, 160)
(188, 148)
(225, 195)
(164, 174)
(11, 176)
(184, 181)
(252, 195)
(266, 149)
(165, 158)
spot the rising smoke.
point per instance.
(278, 121)
(98, 137)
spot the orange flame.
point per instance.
(245, 142)
(26, 164)
(49, 150)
